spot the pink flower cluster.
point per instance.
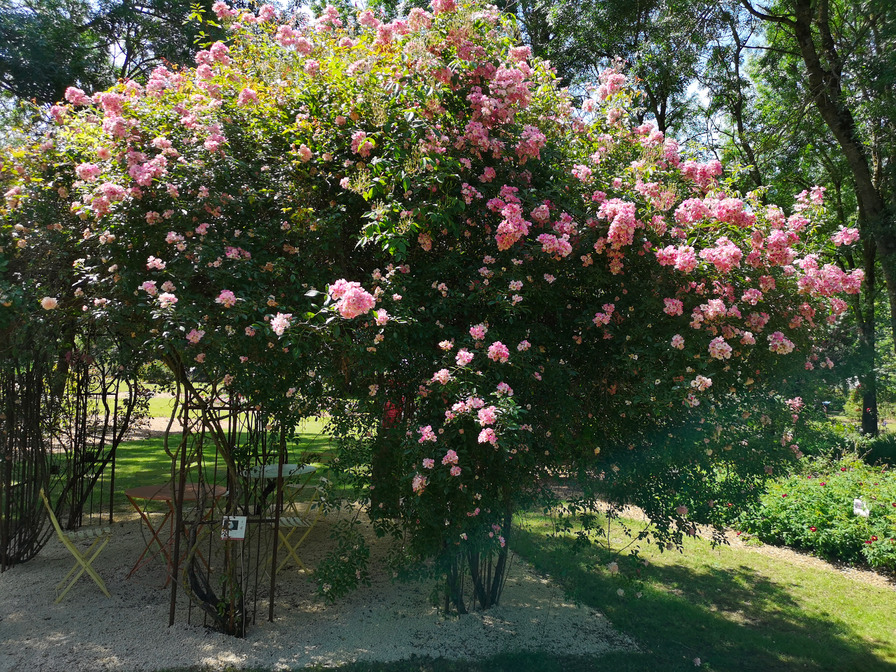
(673, 307)
(719, 349)
(226, 298)
(442, 376)
(512, 227)
(725, 256)
(701, 383)
(426, 434)
(351, 299)
(604, 317)
(281, 322)
(498, 352)
(682, 257)
(557, 247)
(487, 415)
(779, 344)
(845, 236)
(623, 222)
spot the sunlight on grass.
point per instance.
(735, 609)
(145, 462)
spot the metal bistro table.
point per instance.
(266, 476)
(165, 493)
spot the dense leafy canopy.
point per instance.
(413, 226)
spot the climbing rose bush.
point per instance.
(498, 284)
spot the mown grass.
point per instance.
(734, 609)
(146, 462)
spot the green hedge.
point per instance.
(813, 510)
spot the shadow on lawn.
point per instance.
(732, 619)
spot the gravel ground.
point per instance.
(383, 622)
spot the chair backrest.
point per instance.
(53, 519)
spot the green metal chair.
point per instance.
(84, 560)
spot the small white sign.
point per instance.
(234, 528)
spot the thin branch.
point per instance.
(774, 18)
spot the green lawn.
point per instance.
(145, 461)
(734, 609)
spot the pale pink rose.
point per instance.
(281, 322)
(167, 299)
(49, 303)
(478, 331)
(226, 298)
(195, 336)
(442, 376)
(498, 352)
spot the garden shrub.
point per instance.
(880, 449)
(814, 510)
(484, 281)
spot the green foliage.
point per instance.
(814, 510)
(880, 450)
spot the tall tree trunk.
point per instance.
(866, 320)
(824, 73)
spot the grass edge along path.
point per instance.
(717, 609)
(728, 608)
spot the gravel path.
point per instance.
(385, 621)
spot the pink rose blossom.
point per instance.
(418, 485)
(845, 236)
(487, 415)
(463, 357)
(195, 336)
(719, 349)
(498, 352)
(226, 298)
(450, 458)
(779, 344)
(352, 300)
(281, 322)
(426, 434)
(478, 331)
(701, 383)
(673, 307)
(488, 435)
(167, 299)
(441, 376)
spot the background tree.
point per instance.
(49, 45)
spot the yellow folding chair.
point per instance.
(302, 513)
(84, 560)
